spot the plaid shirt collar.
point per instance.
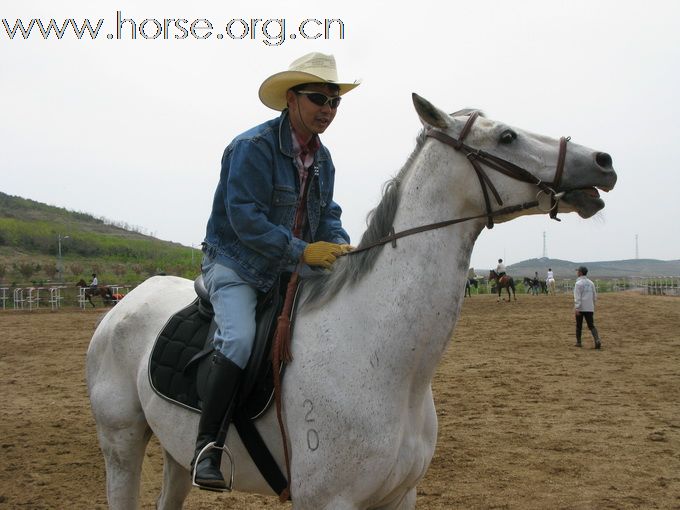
(304, 153)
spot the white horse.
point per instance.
(357, 398)
(550, 284)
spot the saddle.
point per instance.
(180, 360)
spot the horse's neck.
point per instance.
(426, 271)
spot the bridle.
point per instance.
(477, 158)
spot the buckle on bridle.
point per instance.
(554, 200)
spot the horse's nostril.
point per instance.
(603, 159)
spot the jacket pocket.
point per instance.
(284, 202)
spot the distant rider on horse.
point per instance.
(500, 269)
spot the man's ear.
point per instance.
(291, 97)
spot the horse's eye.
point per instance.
(508, 136)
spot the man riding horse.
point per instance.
(273, 211)
(503, 281)
(500, 272)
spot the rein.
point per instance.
(281, 352)
(477, 158)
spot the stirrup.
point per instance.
(210, 446)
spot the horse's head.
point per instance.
(81, 283)
(522, 168)
(492, 275)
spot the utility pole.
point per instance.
(545, 251)
(637, 254)
(60, 264)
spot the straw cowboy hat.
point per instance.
(310, 68)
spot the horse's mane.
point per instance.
(350, 269)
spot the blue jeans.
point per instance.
(234, 302)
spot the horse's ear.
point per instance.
(428, 113)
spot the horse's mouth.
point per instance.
(586, 201)
(592, 192)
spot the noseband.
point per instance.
(477, 158)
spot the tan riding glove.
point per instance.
(322, 253)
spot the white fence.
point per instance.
(34, 298)
(30, 298)
(659, 286)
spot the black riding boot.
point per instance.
(596, 337)
(578, 337)
(220, 391)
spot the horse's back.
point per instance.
(121, 343)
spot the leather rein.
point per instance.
(477, 158)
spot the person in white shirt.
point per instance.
(585, 297)
(95, 282)
(550, 281)
(500, 268)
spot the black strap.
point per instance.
(260, 454)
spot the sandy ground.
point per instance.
(527, 421)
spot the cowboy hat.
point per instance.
(310, 68)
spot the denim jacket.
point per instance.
(250, 227)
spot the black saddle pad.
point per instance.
(182, 338)
(182, 351)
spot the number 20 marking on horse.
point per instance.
(312, 434)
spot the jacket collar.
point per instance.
(285, 134)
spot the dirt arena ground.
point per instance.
(527, 421)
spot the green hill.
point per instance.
(31, 234)
(633, 268)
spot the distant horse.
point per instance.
(468, 283)
(531, 284)
(101, 291)
(550, 286)
(504, 282)
(534, 285)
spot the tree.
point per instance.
(119, 270)
(26, 269)
(51, 270)
(76, 269)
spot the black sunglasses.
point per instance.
(320, 99)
